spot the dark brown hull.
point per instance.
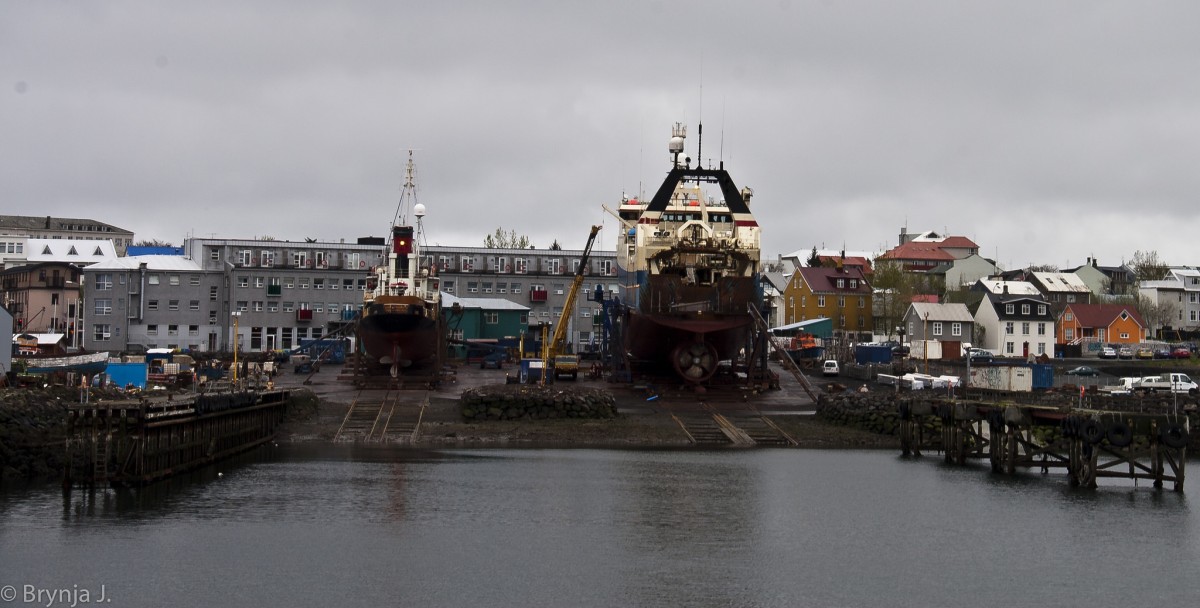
(691, 344)
(403, 333)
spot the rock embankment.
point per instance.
(33, 432)
(524, 402)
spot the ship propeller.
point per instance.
(695, 361)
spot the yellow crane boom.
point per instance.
(560, 330)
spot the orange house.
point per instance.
(1105, 323)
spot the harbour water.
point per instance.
(323, 525)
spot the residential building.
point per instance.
(42, 297)
(1015, 324)
(537, 278)
(1061, 288)
(62, 228)
(839, 294)
(1107, 280)
(1178, 298)
(946, 323)
(923, 252)
(961, 273)
(1100, 324)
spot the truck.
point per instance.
(1176, 383)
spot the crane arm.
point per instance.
(560, 330)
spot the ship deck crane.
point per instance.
(553, 352)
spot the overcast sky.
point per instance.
(1045, 131)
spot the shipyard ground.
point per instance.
(648, 414)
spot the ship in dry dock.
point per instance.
(689, 264)
(399, 323)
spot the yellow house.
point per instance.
(841, 295)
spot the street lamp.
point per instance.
(236, 315)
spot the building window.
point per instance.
(491, 318)
(212, 317)
(214, 255)
(289, 306)
(152, 330)
(841, 301)
(152, 305)
(242, 305)
(194, 305)
(259, 282)
(103, 306)
(956, 329)
(862, 302)
(1025, 328)
(937, 328)
(194, 279)
(212, 293)
(820, 302)
(1069, 334)
(101, 331)
(1008, 348)
(516, 287)
(172, 330)
(1041, 348)
(841, 283)
(243, 281)
(472, 287)
(1009, 309)
(104, 281)
(193, 330)
(318, 283)
(289, 283)
(448, 286)
(1068, 317)
(1041, 329)
(152, 279)
(172, 304)
(1008, 328)
(1024, 309)
(258, 306)
(1042, 309)
(173, 279)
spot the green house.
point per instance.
(485, 319)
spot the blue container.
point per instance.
(865, 354)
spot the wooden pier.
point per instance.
(135, 442)
(1086, 445)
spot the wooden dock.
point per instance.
(135, 442)
(1084, 444)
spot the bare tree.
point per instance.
(1147, 267)
(152, 243)
(1156, 313)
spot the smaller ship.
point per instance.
(401, 307)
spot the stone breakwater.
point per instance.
(521, 402)
(879, 412)
(33, 431)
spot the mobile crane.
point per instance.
(554, 359)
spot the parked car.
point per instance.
(980, 356)
(900, 351)
(830, 368)
(1108, 352)
(1162, 353)
(1083, 370)
(1144, 353)
(1182, 352)
(1125, 353)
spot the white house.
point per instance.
(1015, 325)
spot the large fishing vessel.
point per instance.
(689, 263)
(401, 306)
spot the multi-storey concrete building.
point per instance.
(283, 292)
(537, 278)
(65, 228)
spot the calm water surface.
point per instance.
(339, 526)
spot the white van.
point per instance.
(830, 368)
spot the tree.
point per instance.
(555, 246)
(1147, 267)
(894, 289)
(152, 243)
(814, 260)
(506, 240)
(1156, 313)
